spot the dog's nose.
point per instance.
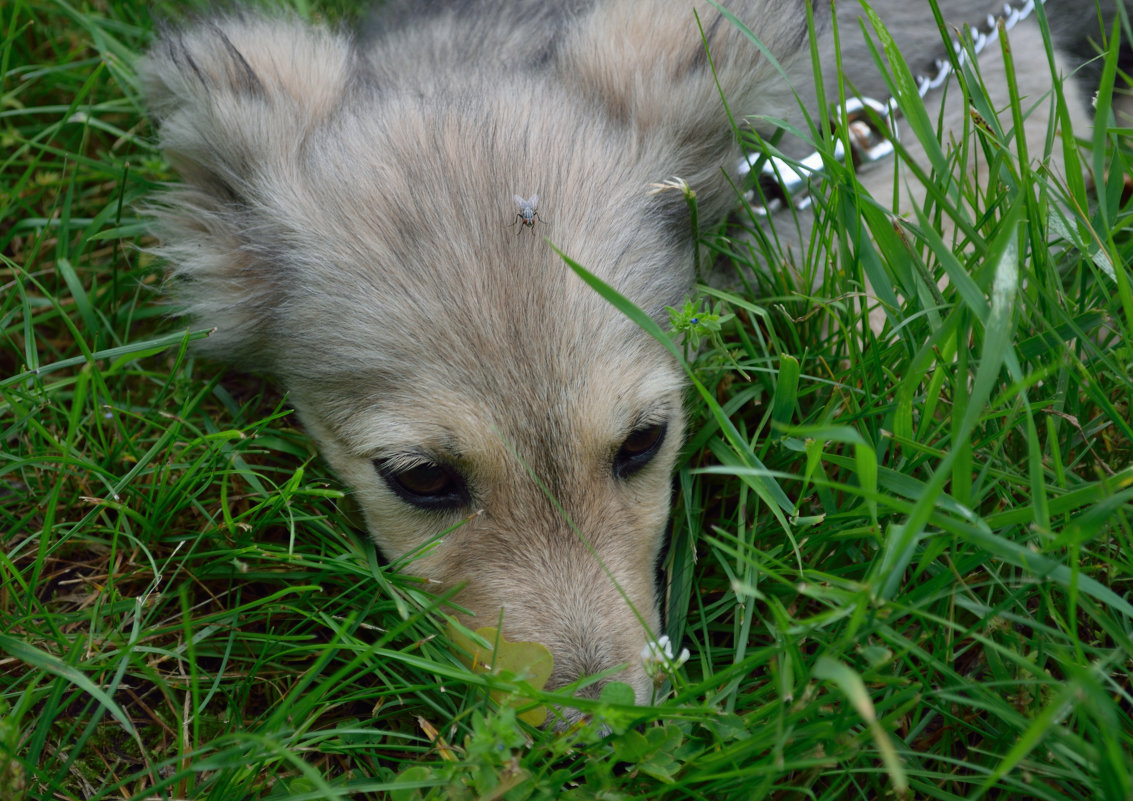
(593, 659)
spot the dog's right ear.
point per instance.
(234, 100)
(234, 96)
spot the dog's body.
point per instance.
(348, 226)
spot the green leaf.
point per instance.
(617, 693)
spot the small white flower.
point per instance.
(675, 183)
(657, 658)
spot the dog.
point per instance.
(347, 223)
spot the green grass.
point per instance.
(902, 562)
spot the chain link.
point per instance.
(871, 126)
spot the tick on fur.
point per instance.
(528, 211)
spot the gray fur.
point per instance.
(345, 225)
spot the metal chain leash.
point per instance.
(871, 126)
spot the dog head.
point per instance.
(351, 229)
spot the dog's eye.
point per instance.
(428, 486)
(638, 449)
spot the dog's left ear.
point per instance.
(652, 67)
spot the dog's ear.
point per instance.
(234, 95)
(234, 99)
(653, 67)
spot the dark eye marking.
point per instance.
(638, 449)
(428, 485)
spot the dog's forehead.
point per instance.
(427, 185)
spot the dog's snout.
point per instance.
(586, 660)
(573, 666)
